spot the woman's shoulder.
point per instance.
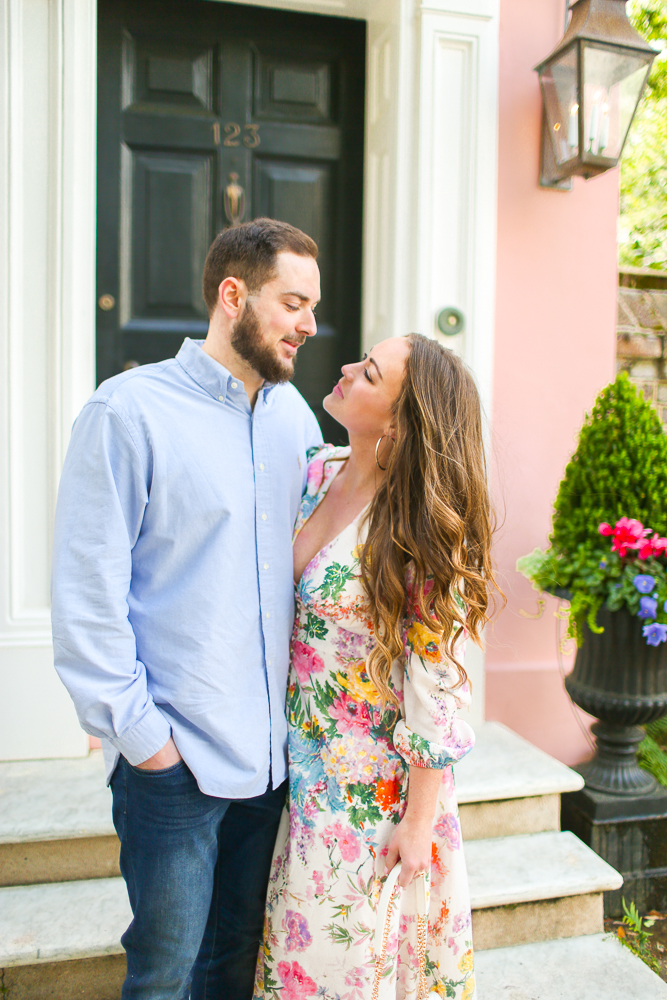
(318, 457)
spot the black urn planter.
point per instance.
(621, 681)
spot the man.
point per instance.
(173, 608)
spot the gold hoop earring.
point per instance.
(382, 468)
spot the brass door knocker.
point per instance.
(234, 201)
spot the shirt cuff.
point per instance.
(144, 739)
(420, 752)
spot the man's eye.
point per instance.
(291, 307)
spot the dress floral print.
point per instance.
(348, 789)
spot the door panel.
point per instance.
(189, 96)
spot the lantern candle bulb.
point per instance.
(573, 127)
(595, 121)
(604, 130)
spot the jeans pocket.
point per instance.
(162, 772)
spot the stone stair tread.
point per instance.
(596, 967)
(502, 765)
(54, 800)
(62, 920)
(534, 866)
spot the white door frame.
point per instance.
(429, 241)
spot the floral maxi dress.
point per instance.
(348, 763)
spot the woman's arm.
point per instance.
(413, 838)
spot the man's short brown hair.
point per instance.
(249, 252)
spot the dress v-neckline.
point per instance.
(321, 495)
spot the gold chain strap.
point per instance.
(422, 928)
(381, 958)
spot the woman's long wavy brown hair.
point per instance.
(432, 510)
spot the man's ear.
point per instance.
(232, 294)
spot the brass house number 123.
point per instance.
(233, 131)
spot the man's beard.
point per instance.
(249, 344)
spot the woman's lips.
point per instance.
(337, 389)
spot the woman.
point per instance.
(392, 532)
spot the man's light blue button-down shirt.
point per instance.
(172, 569)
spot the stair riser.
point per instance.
(83, 979)
(510, 817)
(543, 920)
(59, 860)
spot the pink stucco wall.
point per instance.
(555, 346)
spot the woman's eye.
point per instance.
(367, 375)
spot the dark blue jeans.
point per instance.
(196, 869)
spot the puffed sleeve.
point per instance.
(429, 734)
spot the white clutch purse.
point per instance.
(387, 920)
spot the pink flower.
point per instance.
(350, 714)
(447, 827)
(348, 841)
(296, 984)
(606, 529)
(655, 546)
(305, 661)
(298, 936)
(316, 473)
(628, 534)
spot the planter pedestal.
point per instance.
(629, 832)
(614, 768)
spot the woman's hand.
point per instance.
(412, 841)
(411, 844)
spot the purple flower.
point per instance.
(644, 583)
(298, 936)
(648, 607)
(655, 634)
(603, 564)
(664, 607)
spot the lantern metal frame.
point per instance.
(604, 24)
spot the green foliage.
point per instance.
(636, 937)
(643, 221)
(619, 469)
(652, 753)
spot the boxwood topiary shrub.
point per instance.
(618, 471)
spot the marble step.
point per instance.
(507, 786)
(594, 967)
(63, 940)
(535, 887)
(55, 821)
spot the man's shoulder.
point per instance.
(130, 386)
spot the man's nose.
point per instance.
(308, 326)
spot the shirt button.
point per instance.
(234, 385)
(261, 466)
(266, 565)
(221, 398)
(268, 614)
(263, 517)
(268, 663)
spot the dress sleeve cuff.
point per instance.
(420, 752)
(144, 739)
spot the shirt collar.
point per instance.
(213, 377)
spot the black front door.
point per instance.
(210, 114)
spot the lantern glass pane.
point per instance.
(613, 82)
(559, 88)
